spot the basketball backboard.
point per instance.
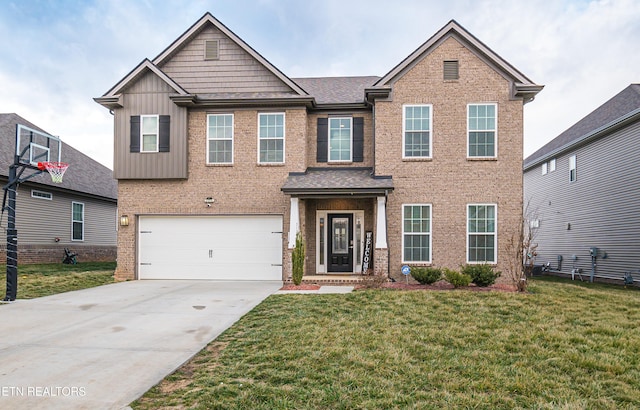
(33, 146)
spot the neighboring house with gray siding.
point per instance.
(221, 159)
(582, 191)
(47, 212)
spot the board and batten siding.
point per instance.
(39, 221)
(600, 209)
(150, 96)
(235, 71)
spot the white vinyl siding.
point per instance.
(340, 139)
(416, 131)
(482, 120)
(271, 138)
(220, 139)
(416, 233)
(482, 233)
(149, 132)
(77, 221)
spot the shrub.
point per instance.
(426, 276)
(297, 260)
(482, 275)
(456, 278)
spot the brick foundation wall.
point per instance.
(28, 254)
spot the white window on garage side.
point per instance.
(77, 221)
(220, 139)
(271, 138)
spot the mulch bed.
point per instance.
(302, 286)
(442, 285)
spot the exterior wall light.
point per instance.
(209, 200)
(124, 220)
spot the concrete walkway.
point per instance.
(102, 348)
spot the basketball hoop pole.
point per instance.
(12, 236)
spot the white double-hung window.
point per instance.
(220, 139)
(416, 131)
(481, 233)
(340, 139)
(271, 138)
(482, 129)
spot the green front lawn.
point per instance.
(50, 278)
(562, 346)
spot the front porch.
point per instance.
(341, 214)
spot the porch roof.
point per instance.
(337, 182)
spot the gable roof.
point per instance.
(523, 86)
(138, 72)
(84, 175)
(609, 116)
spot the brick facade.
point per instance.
(28, 254)
(448, 181)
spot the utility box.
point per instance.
(593, 251)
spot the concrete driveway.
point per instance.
(102, 348)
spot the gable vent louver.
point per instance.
(451, 70)
(211, 49)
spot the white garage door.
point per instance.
(210, 247)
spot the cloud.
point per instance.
(57, 56)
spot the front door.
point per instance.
(340, 243)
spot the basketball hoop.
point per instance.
(56, 169)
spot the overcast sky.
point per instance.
(57, 55)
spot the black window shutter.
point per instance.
(323, 140)
(163, 129)
(134, 145)
(358, 139)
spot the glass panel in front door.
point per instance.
(340, 242)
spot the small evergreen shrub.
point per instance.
(482, 275)
(297, 260)
(457, 279)
(426, 276)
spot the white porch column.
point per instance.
(381, 223)
(294, 222)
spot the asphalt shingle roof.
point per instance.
(332, 90)
(625, 102)
(84, 174)
(326, 180)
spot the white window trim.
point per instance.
(47, 196)
(573, 168)
(284, 135)
(430, 233)
(73, 220)
(329, 140)
(545, 168)
(404, 131)
(142, 117)
(495, 130)
(495, 235)
(552, 165)
(233, 134)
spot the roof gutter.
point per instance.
(595, 134)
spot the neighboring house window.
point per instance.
(572, 168)
(220, 138)
(481, 233)
(544, 168)
(77, 221)
(482, 128)
(552, 165)
(340, 139)
(41, 194)
(417, 131)
(149, 133)
(416, 233)
(271, 138)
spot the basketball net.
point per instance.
(56, 169)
